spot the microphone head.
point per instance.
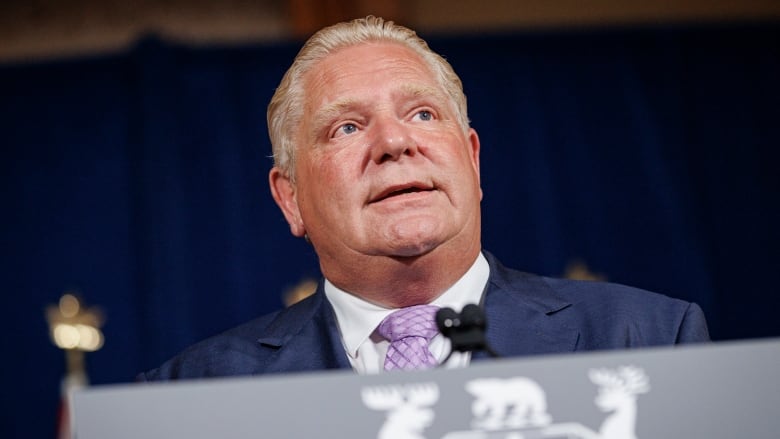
(472, 316)
(447, 320)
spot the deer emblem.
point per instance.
(618, 390)
(408, 408)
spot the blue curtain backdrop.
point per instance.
(139, 179)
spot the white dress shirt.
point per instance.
(358, 319)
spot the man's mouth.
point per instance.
(396, 191)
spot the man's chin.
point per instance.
(413, 250)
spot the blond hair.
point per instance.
(285, 111)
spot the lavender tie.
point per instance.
(409, 331)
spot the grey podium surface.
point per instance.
(719, 390)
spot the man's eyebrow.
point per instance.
(324, 115)
(418, 91)
(331, 111)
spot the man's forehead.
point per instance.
(334, 84)
(405, 91)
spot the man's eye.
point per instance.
(425, 115)
(348, 128)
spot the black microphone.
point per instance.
(448, 321)
(466, 330)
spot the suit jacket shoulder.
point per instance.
(532, 314)
(303, 337)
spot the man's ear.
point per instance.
(474, 146)
(283, 191)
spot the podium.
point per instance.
(717, 390)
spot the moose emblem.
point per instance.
(408, 408)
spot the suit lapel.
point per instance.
(306, 338)
(524, 315)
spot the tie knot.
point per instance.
(414, 321)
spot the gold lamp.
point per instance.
(76, 330)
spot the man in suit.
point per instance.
(377, 167)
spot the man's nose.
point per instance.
(392, 140)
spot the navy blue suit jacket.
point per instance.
(526, 315)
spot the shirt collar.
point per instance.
(358, 318)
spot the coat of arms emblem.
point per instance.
(512, 408)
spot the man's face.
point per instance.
(382, 167)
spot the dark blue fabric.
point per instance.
(139, 178)
(527, 315)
